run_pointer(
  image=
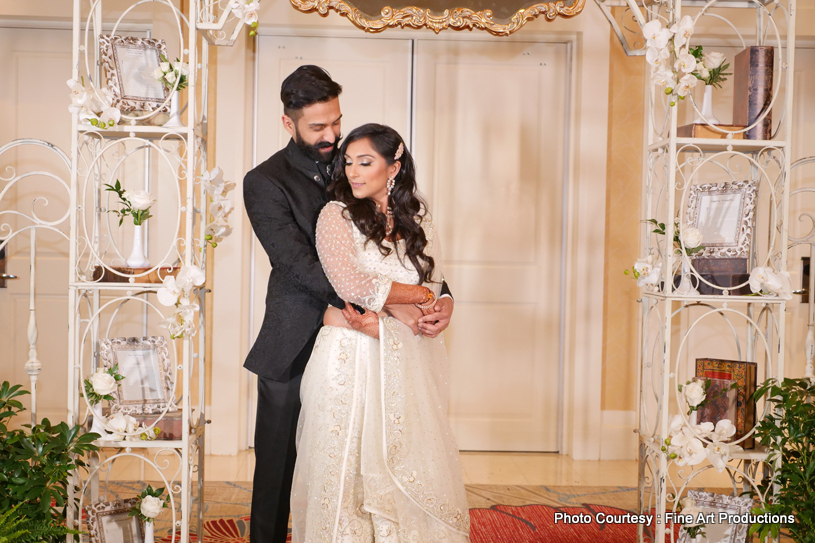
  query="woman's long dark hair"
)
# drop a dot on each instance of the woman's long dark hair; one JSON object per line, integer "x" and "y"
{"x": 407, "y": 208}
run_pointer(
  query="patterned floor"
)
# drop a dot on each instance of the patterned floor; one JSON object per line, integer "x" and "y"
{"x": 500, "y": 513}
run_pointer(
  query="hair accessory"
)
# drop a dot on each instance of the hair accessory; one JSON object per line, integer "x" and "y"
{"x": 399, "y": 151}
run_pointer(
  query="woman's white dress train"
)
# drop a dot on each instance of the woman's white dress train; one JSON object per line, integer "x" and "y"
{"x": 376, "y": 459}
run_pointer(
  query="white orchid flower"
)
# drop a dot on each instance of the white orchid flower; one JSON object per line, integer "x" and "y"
{"x": 720, "y": 454}
{"x": 664, "y": 78}
{"x": 110, "y": 116}
{"x": 169, "y": 293}
{"x": 765, "y": 281}
{"x": 692, "y": 453}
{"x": 685, "y": 84}
{"x": 704, "y": 429}
{"x": 655, "y": 35}
{"x": 214, "y": 183}
{"x": 250, "y": 17}
{"x": 685, "y": 63}
{"x": 677, "y": 423}
{"x": 189, "y": 277}
{"x": 220, "y": 207}
{"x": 682, "y": 31}
{"x": 724, "y": 430}
{"x": 218, "y": 230}
{"x": 79, "y": 94}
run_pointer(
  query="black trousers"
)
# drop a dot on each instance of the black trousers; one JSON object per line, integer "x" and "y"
{"x": 275, "y": 453}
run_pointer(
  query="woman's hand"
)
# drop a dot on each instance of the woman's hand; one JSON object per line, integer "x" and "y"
{"x": 432, "y": 324}
{"x": 367, "y": 323}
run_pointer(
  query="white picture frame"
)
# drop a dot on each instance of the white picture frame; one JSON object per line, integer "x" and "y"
{"x": 144, "y": 363}
{"x": 129, "y": 64}
{"x": 109, "y": 522}
{"x": 725, "y": 215}
{"x": 720, "y": 532}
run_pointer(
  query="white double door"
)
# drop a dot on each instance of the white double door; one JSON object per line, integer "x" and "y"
{"x": 487, "y": 125}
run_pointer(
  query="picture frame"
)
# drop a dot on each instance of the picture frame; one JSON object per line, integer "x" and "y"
{"x": 722, "y": 372}
{"x": 720, "y": 532}
{"x": 128, "y": 64}
{"x": 725, "y": 215}
{"x": 144, "y": 363}
{"x": 109, "y": 522}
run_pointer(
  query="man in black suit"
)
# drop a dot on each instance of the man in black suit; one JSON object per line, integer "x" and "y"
{"x": 283, "y": 198}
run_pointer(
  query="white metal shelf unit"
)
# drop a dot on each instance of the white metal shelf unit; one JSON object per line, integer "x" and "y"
{"x": 674, "y": 328}
{"x": 142, "y": 154}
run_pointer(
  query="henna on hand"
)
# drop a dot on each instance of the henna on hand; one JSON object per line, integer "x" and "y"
{"x": 366, "y": 323}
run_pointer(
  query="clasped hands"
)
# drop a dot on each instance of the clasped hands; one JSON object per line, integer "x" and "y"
{"x": 430, "y": 316}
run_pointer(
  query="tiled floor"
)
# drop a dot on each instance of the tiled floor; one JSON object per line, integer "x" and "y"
{"x": 479, "y": 468}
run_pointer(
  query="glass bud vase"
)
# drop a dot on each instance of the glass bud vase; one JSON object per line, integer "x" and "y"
{"x": 175, "y": 113}
{"x": 148, "y": 532}
{"x": 137, "y": 258}
{"x": 98, "y": 424}
{"x": 685, "y": 287}
{"x": 706, "y": 114}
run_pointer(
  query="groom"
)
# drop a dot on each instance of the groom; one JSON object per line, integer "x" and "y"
{"x": 283, "y": 197}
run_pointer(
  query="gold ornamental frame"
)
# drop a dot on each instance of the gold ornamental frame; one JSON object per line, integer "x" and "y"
{"x": 455, "y": 18}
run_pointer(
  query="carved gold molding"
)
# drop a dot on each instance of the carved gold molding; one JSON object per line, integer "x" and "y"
{"x": 457, "y": 19}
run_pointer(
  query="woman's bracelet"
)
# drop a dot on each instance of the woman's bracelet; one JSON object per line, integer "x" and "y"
{"x": 429, "y": 302}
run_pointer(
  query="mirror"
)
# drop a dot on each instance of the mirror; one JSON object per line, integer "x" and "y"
{"x": 498, "y": 17}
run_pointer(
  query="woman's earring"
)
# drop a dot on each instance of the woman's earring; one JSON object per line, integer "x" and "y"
{"x": 391, "y": 183}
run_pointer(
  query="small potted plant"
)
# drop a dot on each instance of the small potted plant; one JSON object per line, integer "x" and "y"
{"x": 148, "y": 508}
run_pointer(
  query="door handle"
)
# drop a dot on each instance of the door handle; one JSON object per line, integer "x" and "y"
{"x": 8, "y": 276}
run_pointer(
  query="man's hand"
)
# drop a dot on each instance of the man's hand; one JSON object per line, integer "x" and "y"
{"x": 367, "y": 323}
{"x": 407, "y": 314}
{"x": 435, "y": 323}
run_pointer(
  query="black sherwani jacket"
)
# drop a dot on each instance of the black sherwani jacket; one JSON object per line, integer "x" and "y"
{"x": 283, "y": 197}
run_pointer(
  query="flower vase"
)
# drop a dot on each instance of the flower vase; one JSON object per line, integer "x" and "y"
{"x": 692, "y": 418}
{"x": 98, "y": 424}
{"x": 685, "y": 287}
{"x": 175, "y": 113}
{"x": 706, "y": 114}
{"x": 137, "y": 258}
{"x": 148, "y": 532}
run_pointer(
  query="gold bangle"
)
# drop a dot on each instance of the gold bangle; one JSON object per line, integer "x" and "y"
{"x": 429, "y": 302}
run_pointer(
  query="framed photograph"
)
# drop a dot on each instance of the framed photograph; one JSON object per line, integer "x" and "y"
{"x": 737, "y": 404}
{"x": 129, "y": 64}
{"x": 144, "y": 363}
{"x": 108, "y": 522}
{"x": 725, "y": 215}
{"x": 721, "y": 531}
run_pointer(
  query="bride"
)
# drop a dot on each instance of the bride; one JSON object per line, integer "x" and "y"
{"x": 376, "y": 459}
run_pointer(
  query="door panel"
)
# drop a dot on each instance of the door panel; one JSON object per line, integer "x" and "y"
{"x": 490, "y": 135}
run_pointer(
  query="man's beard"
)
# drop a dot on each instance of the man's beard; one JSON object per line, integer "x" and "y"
{"x": 314, "y": 152}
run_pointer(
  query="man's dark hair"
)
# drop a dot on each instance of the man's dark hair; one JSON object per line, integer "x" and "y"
{"x": 305, "y": 86}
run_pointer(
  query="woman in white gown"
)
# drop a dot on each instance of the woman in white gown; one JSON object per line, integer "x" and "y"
{"x": 376, "y": 459}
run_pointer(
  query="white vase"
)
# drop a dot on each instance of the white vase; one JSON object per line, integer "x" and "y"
{"x": 148, "y": 532}
{"x": 175, "y": 114}
{"x": 98, "y": 424}
{"x": 706, "y": 115}
{"x": 685, "y": 287}
{"x": 137, "y": 258}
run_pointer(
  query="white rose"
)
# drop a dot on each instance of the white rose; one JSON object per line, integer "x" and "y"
{"x": 170, "y": 77}
{"x": 692, "y": 237}
{"x": 692, "y": 511}
{"x": 103, "y": 383}
{"x": 139, "y": 199}
{"x": 703, "y": 72}
{"x": 713, "y": 60}
{"x": 157, "y": 73}
{"x": 694, "y": 393}
{"x": 165, "y": 67}
{"x": 151, "y": 506}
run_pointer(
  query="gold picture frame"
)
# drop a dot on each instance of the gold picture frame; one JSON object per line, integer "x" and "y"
{"x": 456, "y": 18}
{"x": 128, "y": 64}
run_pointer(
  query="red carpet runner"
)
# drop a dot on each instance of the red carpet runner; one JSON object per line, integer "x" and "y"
{"x": 499, "y": 524}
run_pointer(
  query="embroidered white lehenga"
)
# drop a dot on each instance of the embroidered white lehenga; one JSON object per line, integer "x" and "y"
{"x": 376, "y": 459}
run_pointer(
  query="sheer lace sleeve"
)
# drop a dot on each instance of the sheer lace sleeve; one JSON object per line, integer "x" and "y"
{"x": 338, "y": 255}
{"x": 434, "y": 249}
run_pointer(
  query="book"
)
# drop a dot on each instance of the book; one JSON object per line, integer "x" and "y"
{"x": 753, "y": 90}
{"x": 722, "y": 374}
{"x": 705, "y": 131}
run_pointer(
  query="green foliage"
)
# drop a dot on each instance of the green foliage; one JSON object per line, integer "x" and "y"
{"x": 35, "y": 463}
{"x": 139, "y": 215}
{"x": 182, "y": 78}
{"x": 788, "y": 432}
